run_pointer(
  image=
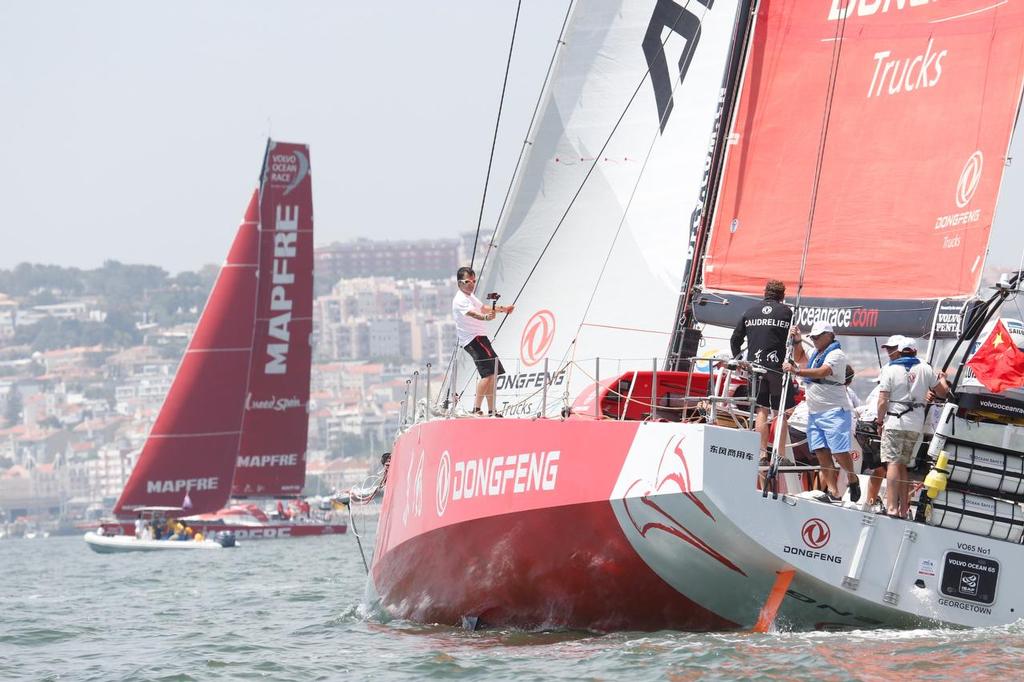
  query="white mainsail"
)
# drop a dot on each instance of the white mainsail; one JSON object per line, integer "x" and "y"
{"x": 605, "y": 280}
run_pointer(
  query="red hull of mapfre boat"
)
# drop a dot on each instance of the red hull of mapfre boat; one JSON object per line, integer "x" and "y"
{"x": 478, "y": 521}
{"x": 247, "y": 522}
{"x": 270, "y": 531}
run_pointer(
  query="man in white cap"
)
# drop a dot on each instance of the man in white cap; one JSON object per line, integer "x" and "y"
{"x": 903, "y": 388}
{"x": 867, "y": 433}
{"x": 829, "y": 412}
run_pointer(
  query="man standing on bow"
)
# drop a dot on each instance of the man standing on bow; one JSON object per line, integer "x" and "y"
{"x": 829, "y": 412}
{"x": 764, "y": 327}
{"x": 470, "y": 314}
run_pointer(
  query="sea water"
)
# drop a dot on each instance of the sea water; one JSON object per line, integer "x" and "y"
{"x": 294, "y": 610}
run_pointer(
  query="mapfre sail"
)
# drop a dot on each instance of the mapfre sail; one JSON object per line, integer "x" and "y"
{"x": 633, "y": 100}
{"x": 272, "y": 454}
{"x": 905, "y": 201}
{"x": 192, "y": 447}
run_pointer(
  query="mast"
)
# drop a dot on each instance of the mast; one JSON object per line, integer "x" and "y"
{"x": 686, "y": 337}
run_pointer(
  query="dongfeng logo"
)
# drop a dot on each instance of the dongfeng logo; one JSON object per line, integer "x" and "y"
{"x": 815, "y": 533}
{"x": 538, "y": 334}
{"x": 767, "y": 310}
{"x": 970, "y": 177}
{"x": 444, "y": 481}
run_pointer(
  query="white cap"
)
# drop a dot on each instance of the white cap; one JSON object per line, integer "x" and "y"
{"x": 908, "y": 344}
{"x": 819, "y": 328}
{"x": 893, "y": 341}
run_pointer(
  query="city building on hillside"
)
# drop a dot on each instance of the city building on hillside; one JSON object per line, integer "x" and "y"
{"x": 429, "y": 258}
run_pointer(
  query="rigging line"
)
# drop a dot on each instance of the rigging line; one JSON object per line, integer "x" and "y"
{"x": 515, "y": 171}
{"x": 833, "y": 77}
{"x": 837, "y": 49}
{"x": 497, "y": 125}
{"x": 526, "y": 142}
{"x": 597, "y": 158}
{"x": 571, "y": 349}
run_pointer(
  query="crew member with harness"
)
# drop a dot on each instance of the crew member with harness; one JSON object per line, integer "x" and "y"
{"x": 764, "y": 327}
{"x": 829, "y": 412}
{"x": 903, "y": 390}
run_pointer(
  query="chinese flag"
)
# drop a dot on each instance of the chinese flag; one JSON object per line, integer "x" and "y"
{"x": 997, "y": 363}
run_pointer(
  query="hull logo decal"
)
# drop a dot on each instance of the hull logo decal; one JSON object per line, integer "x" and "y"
{"x": 672, "y": 468}
{"x": 815, "y": 533}
{"x": 444, "y": 482}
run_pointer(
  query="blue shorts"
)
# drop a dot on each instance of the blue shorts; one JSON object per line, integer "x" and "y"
{"x": 830, "y": 429}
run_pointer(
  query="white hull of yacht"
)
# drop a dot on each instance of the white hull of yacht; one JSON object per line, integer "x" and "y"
{"x": 107, "y": 544}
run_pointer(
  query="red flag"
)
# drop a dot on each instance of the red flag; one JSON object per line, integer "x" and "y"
{"x": 998, "y": 363}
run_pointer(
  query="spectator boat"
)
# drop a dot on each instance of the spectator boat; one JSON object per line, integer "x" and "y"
{"x": 111, "y": 541}
{"x": 682, "y": 155}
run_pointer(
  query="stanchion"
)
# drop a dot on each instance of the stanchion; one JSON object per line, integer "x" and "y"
{"x": 415, "y": 393}
{"x": 405, "y": 403}
{"x": 452, "y": 385}
{"x": 494, "y": 388}
{"x": 428, "y": 389}
{"x": 654, "y": 388}
{"x": 544, "y": 396}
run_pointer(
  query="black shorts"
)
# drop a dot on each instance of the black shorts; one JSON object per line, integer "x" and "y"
{"x": 484, "y": 356}
{"x": 867, "y": 438}
{"x": 770, "y": 390}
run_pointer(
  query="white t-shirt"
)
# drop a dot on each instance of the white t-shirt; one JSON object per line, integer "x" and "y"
{"x": 906, "y": 387}
{"x": 468, "y": 328}
{"x": 822, "y": 397}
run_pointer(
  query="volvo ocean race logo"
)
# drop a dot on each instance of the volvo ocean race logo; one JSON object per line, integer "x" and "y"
{"x": 538, "y": 334}
{"x": 444, "y": 473}
{"x": 287, "y": 168}
{"x": 969, "y": 179}
{"x": 815, "y": 533}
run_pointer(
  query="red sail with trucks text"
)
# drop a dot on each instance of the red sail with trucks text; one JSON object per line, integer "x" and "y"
{"x": 905, "y": 199}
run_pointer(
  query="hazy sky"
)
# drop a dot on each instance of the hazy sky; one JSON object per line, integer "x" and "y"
{"x": 134, "y": 130}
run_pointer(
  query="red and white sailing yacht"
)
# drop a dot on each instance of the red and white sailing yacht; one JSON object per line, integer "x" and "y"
{"x": 684, "y": 154}
{"x": 235, "y": 422}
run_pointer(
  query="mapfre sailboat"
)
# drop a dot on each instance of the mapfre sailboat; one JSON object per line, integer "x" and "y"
{"x": 234, "y": 423}
{"x": 683, "y": 155}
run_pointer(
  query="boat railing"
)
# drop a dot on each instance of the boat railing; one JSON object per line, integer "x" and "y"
{"x": 714, "y": 390}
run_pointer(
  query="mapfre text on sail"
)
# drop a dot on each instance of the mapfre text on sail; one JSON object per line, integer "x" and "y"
{"x": 286, "y": 233}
